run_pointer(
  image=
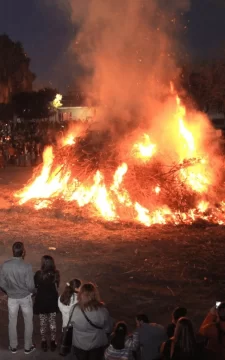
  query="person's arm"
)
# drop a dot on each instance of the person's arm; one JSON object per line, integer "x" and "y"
{"x": 108, "y": 353}
{"x": 210, "y": 318}
{"x": 57, "y": 279}
{"x": 2, "y": 290}
{"x": 134, "y": 341}
{"x": 108, "y": 322}
{"x": 162, "y": 347}
{"x": 60, "y": 305}
{"x": 73, "y": 317}
{"x": 29, "y": 279}
{"x": 170, "y": 330}
{"x": 36, "y": 279}
{"x": 3, "y": 282}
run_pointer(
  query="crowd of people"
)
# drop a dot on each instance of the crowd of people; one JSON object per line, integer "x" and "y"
{"x": 22, "y": 143}
{"x": 94, "y": 336}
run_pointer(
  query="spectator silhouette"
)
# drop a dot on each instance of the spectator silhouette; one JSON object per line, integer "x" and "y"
{"x": 178, "y": 313}
{"x": 17, "y": 280}
{"x": 213, "y": 329}
{"x": 183, "y": 345}
{"x": 68, "y": 299}
{"x": 46, "y": 300}
{"x": 151, "y": 336}
{"x": 91, "y": 324}
{"x": 122, "y": 346}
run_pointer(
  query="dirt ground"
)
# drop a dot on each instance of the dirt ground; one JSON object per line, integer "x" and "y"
{"x": 151, "y": 270}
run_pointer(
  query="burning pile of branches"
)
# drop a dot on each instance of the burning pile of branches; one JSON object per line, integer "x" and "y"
{"x": 139, "y": 183}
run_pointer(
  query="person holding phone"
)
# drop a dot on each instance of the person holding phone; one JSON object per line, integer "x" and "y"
{"x": 213, "y": 329}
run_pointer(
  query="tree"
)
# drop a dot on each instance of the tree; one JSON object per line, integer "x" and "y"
{"x": 15, "y": 75}
{"x": 205, "y": 83}
{"x": 34, "y": 104}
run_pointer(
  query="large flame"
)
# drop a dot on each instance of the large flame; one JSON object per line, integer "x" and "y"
{"x": 116, "y": 198}
{"x": 145, "y": 149}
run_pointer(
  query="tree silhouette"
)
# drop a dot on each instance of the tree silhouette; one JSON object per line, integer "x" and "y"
{"x": 34, "y": 104}
{"x": 15, "y": 75}
{"x": 205, "y": 83}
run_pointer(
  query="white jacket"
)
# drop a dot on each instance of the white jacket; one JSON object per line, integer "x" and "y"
{"x": 66, "y": 309}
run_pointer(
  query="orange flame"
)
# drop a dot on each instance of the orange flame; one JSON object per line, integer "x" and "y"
{"x": 113, "y": 200}
{"x": 145, "y": 149}
{"x": 69, "y": 140}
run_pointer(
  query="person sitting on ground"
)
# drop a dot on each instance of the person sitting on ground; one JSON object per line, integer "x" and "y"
{"x": 91, "y": 325}
{"x": 46, "y": 300}
{"x": 178, "y": 313}
{"x": 68, "y": 299}
{"x": 17, "y": 281}
{"x": 151, "y": 336}
{"x": 213, "y": 329}
{"x": 121, "y": 345}
{"x": 183, "y": 345}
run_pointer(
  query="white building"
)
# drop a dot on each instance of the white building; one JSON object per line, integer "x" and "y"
{"x": 76, "y": 113}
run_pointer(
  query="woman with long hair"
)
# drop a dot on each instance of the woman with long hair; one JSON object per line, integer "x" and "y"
{"x": 122, "y": 346}
{"x": 183, "y": 345}
{"x": 46, "y": 300}
{"x": 68, "y": 299}
{"x": 91, "y": 324}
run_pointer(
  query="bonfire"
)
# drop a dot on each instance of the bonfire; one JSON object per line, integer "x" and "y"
{"x": 144, "y": 177}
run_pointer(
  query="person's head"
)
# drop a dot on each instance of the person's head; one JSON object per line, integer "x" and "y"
{"x": 71, "y": 287}
{"x": 141, "y": 319}
{"x": 221, "y": 312}
{"x": 88, "y": 297}
{"x": 18, "y": 250}
{"x": 184, "y": 336}
{"x": 47, "y": 264}
{"x": 178, "y": 313}
{"x": 119, "y": 336}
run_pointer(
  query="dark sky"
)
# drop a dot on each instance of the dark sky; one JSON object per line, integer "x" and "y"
{"x": 46, "y": 34}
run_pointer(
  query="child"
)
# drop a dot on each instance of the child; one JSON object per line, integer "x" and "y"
{"x": 68, "y": 299}
{"x": 122, "y": 346}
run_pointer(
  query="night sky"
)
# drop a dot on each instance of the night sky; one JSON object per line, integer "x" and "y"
{"x": 46, "y": 33}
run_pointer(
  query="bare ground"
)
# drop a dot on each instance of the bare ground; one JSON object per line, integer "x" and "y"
{"x": 136, "y": 268}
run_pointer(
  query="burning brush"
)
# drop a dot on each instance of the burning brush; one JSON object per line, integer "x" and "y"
{"x": 140, "y": 183}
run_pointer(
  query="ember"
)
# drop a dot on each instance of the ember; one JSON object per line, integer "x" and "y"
{"x": 142, "y": 184}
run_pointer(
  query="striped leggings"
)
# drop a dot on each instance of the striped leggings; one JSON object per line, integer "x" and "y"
{"x": 46, "y": 319}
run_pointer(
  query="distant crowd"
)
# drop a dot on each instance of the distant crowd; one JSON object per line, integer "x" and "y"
{"x": 88, "y": 331}
{"x": 22, "y": 144}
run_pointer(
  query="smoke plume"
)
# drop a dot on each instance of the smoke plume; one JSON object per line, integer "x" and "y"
{"x": 129, "y": 49}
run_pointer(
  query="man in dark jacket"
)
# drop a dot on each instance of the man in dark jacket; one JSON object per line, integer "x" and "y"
{"x": 17, "y": 280}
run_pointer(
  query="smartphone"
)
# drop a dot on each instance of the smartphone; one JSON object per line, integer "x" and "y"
{"x": 218, "y": 304}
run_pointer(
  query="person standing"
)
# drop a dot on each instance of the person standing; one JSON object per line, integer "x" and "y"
{"x": 17, "y": 280}
{"x": 91, "y": 325}
{"x": 68, "y": 299}
{"x": 46, "y": 300}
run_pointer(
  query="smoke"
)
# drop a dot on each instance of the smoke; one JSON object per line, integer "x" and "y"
{"x": 129, "y": 50}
